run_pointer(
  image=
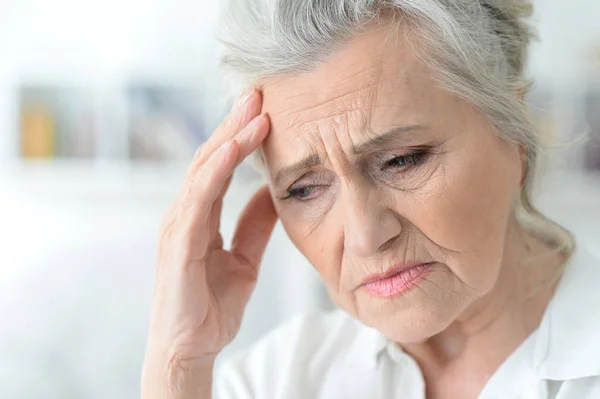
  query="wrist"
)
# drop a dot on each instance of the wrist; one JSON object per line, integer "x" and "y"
{"x": 177, "y": 378}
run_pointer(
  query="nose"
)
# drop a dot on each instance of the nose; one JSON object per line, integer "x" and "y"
{"x": 369, "y": 226}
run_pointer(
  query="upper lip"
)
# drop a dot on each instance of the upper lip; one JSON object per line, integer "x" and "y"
{"x": 392, "y": 271}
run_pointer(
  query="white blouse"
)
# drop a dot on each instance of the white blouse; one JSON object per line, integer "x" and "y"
{"x": 333, "y": 356}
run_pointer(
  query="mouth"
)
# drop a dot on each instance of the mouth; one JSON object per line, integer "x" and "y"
{"x": 397, "y": 280}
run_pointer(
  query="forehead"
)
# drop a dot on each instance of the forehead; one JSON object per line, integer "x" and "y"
{"x": 373, "y": 83}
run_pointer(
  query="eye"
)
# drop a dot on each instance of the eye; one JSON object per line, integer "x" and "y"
{"x": 309, "y": 186}
{"x": 406, "y": 161}
{"x": 301, "y": 193}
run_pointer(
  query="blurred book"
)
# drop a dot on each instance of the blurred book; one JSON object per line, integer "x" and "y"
{"x": 37, "y": 132}
{"x": 131, "y": 122}
{"x": 166, "y": 122}
{"x": 56, "y": 122}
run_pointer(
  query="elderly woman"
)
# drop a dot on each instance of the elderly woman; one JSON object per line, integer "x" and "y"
{"x": 399, "y": 156}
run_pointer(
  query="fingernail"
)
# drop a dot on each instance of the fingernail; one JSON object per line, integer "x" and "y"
{"x": 246, "y": 96}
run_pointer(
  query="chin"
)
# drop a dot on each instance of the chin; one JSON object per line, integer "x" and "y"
{"x": 414, "y": 325}
{"x": 413, "y": 317}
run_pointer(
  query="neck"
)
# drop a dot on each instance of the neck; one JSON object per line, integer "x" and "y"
{"x": 495, "y": 325}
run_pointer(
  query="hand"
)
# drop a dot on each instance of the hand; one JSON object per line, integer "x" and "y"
{"x": 201, "y": 290}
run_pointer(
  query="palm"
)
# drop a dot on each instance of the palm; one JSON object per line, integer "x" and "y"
{"x": 220, "y": 282}
{"x": 230, "y": 283}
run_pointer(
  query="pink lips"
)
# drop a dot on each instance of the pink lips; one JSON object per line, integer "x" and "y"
{"x": 395, "y": 281}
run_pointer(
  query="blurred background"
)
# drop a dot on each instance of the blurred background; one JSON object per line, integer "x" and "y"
{"x": 103, "y": 103}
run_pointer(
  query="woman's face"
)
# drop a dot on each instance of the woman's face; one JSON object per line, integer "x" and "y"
{"x": 374, "y": 170}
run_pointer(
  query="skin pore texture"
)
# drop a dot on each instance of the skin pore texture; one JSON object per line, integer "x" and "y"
{"x": 371, "y": 165}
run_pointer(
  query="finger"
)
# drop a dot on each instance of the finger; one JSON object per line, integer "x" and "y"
{"x": 254, "y": 228}
{"x": 208, "y": 191}
{"x": 195, "y": 209}
{"x": 248, "y": 140}
{"x": 251, "y": 137}
{"x": 245, "y": 110}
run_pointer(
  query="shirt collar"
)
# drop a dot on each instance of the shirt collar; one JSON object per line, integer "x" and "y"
{"x": 568, "y": 344}
{"x": 367, "y": 348}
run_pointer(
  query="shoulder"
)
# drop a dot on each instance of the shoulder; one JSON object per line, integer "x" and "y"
{"x": 568, "y": 347}
{"x": 300, "y": 351}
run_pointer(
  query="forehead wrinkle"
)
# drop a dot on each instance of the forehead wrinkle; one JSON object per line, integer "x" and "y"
{"x": 297, "y": 122}
{"x": 333, "y": 96}
{"x": 339, "y": 104}
{"x": 317, "y": 133}
{"x": 343, "y": 109}
{"x": 339, "y": 142}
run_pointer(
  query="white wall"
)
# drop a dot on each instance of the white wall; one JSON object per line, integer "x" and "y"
{"x": 78, "y": 252}
{"x": 567, "y": 30}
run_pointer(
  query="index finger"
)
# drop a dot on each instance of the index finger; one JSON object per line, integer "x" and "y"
{"x": 247, "y": 108}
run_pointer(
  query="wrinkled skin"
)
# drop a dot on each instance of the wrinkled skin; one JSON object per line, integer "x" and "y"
{"x": 369, "y": 165}
{"x": 451, "y": 203}
{"x": 372, "y": 165}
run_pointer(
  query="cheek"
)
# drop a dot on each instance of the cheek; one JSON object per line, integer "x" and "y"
{"x": 465, "y": 211}
{"x": 318, "y": 240}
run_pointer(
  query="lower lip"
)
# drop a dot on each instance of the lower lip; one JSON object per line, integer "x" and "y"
{"x": 398, "y": 283}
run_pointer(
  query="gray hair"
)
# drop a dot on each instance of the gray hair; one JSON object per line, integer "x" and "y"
{"x": 476, "y": 50}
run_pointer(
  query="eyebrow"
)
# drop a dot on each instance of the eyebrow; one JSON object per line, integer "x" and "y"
{"x": 313, "y": 159}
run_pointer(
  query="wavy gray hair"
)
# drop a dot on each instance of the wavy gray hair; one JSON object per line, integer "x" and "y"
{"x": 475, "y": 49}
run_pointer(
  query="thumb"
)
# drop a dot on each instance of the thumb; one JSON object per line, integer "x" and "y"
{"x": 254, "y": 228}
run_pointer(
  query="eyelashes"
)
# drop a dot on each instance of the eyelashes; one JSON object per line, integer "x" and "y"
{"x": 397, "y": 165}
{"x": 414, "y": 158}
{"x": 300, "y": 192}
{"x": 303, "y": 191}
